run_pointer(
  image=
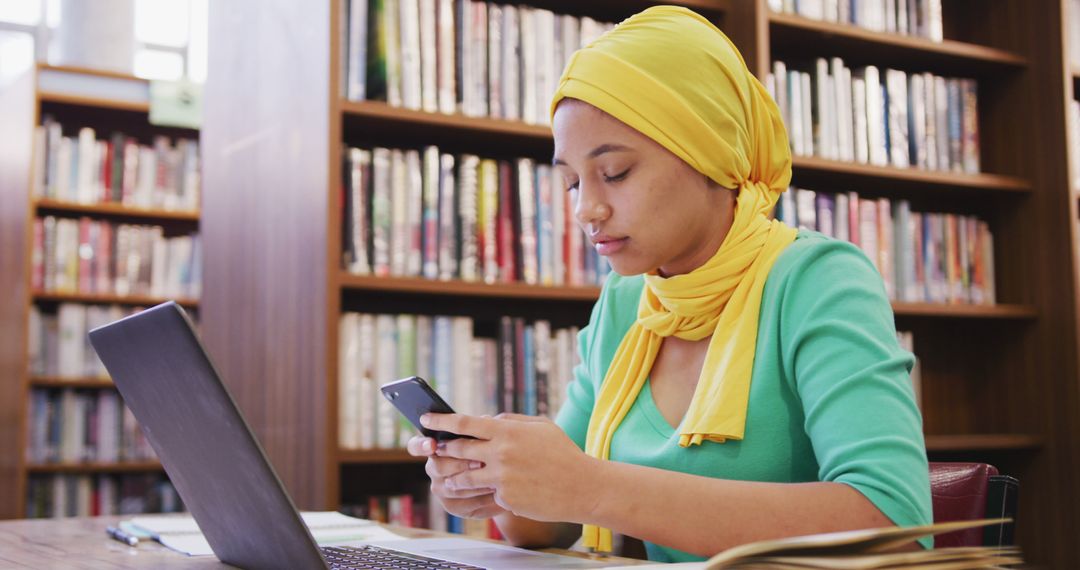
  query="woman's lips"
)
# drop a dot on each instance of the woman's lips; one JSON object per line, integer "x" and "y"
{"x": 609, "y": 246}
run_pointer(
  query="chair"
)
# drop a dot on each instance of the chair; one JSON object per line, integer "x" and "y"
{"x": 969, "y": 491}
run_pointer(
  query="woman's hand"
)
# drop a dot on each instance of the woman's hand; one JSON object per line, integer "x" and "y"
{"x": 469, "y": 503}
{"x": 535, "y": 470}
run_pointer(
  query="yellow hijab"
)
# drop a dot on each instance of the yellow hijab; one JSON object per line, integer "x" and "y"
{"x": 673, "y": 76}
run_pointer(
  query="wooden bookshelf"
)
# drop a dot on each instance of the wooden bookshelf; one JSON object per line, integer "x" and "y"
{"x": 87, "y": 468}
{"x": 76, "y": 97}
{"x": 379, "y": 116}
{"x": 912, "y": 179}
{"x": 101, "y": 299}
{"x": 377, "y": 112}
{"x": 790, "y": 34}
{"x": 428, "y": 287}
{"x": 95, "y": 102}
{"x": 377, "y": 456}
{"x": 1008, "y": 372}
{"x": 419, "y": 286}
{"x": 1012, "y": 312}
{"x": 977, "y": 443}
{"x": 114, "y": 211}
{"x": 62, "y": 382}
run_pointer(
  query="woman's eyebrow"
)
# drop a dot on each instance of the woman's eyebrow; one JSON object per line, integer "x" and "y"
{"x": 604, "y": 148}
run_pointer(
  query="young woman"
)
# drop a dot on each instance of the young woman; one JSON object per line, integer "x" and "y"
{"x": 739, "y": 380}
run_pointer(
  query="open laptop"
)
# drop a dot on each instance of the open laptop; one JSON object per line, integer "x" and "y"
{"x": 222, "y": 474}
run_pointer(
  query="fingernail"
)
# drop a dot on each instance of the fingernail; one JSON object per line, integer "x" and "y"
{"x": 429, "y": 446}
{"x": 425, "y": 420}
{"x": 449, "y": 483}
{"x": 475, "y": 465}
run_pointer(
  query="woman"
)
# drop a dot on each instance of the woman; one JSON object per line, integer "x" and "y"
{"x": 740, "y": 380}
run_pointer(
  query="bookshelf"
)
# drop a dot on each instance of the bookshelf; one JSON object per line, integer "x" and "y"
{"x": 999, "y": 382}
{"x": 75, "y": 97}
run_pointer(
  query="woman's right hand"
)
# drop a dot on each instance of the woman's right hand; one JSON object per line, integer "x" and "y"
{"x": 466, "y": 503}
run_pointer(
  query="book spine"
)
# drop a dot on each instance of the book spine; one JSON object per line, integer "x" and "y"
{"x": 448, "y": 219}
{"x": 430, "y": 214}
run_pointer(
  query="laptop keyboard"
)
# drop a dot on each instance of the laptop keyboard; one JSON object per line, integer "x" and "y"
{"x": 373, "y": 557}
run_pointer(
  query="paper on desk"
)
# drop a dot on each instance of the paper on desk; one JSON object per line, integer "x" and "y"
{"x": 196, "y": 545}
{"x": 182, "y": 534}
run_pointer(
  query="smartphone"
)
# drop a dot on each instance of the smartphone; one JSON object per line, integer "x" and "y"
{"x": 414, "y": 397}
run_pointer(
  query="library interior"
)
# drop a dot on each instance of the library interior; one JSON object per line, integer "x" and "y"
{"x": 268, "y": 211}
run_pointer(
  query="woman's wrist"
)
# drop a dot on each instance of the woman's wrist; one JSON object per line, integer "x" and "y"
{"x": 592, "y": 486}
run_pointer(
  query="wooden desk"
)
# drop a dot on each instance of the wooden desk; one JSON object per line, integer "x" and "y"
{"x": 81, "y": 544}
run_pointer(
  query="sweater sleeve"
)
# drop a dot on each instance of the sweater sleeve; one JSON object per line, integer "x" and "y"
{"x": 840, "y": 351}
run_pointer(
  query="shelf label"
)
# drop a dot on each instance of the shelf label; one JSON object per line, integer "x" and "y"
{"x": 176, "y": 104}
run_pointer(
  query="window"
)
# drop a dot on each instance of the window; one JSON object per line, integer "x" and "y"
{"x": 170, "y": 36}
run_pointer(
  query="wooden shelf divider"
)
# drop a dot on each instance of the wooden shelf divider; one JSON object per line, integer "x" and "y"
{"x": 48, "y": 206}
{"x": 102, "y": 299}
{"x": 860, "y": 44}
{"x": 991, "y": 442}
{"x": 378, "y": 456}
{"x": 414, "y": 285}
{"x": 80, "y": 468}
{"x": 64, "y": 382}
{"x": 926, "y": 179}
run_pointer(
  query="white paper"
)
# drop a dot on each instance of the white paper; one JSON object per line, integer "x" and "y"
{"x": 182, "y": 534}
{"x": 196, "y": 544}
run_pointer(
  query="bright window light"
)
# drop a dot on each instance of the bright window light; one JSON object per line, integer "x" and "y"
{"x": 26, "y": 12}
{"x": 162, "y": 22}
{"x": 156, "y": 64}
{"x": 16, "y": 53}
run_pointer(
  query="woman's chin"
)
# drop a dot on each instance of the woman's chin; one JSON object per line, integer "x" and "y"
{"x": 627, "y": 267}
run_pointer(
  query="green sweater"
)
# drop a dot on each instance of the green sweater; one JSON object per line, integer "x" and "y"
{"x": 830, "y": 395}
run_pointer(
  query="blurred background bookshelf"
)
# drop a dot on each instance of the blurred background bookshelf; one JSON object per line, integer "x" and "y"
{"x": 88, "y": 238}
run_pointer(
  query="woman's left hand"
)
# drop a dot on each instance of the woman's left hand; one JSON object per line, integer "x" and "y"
{"x": 536, "y": 470}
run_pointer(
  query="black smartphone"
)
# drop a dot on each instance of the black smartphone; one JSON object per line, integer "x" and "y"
{"x": 414, "y": 397}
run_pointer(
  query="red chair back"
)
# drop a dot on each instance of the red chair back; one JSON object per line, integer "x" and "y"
{"x": 969, "y": 491}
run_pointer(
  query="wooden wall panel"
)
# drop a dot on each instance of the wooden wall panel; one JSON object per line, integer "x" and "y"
{"x": 265, "y": 180}
{"x": 17, "y": 115}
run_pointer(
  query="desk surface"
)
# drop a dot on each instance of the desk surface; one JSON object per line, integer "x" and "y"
{"x": 81, "y": 544}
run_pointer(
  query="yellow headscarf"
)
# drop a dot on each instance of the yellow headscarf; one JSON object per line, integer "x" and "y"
{"x": 673, "y": 76}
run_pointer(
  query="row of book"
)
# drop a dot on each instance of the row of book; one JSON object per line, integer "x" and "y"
{"x": 525, "y": 370}
{"x": 922, "y": 257}
{"x": 58, "y": 343}
{"x": 877, "y": 117}
{"x": 58, "y": 496}
{"x": 425, "y": 213}
{"x": 481, "y": 59}
{"x": 75, "y": 426}
{"x": 408, "y": 511}
{"x": 921, "y": 18}
{"x": 118, "y": 170}
{"x": 99, "y": 257}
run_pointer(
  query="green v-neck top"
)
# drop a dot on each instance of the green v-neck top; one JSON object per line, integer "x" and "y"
{"x": 830, "y": 395}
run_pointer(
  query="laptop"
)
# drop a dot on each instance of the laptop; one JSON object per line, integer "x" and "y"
{"x": 222, "y": 474}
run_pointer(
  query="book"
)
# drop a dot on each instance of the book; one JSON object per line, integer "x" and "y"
{"x": 858, "y": 549}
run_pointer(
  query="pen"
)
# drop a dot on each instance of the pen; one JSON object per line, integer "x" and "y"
{"x": 122, "y": 536}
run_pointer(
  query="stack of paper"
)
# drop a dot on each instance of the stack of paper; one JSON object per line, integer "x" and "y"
{"x": 182, "y": 534}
